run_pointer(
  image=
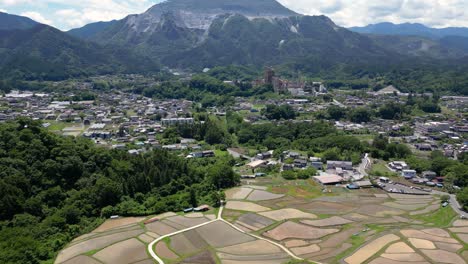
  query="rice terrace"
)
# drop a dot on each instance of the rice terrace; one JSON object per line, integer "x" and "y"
{"x": 272, "y": 221}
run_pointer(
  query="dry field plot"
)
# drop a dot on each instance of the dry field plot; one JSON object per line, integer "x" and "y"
{"x": 254, "y": 222}
{"x": 162, "y": 250}
{"x": 160, "y": 228}
{"x": 185, "y": 222}
{"x": 246, "y": 206}
{"x": 128, "y": 251}
{"x": 322, "y": 207}
{"x": 238, "y": 193}
{"x": 332, "y": 221}
{"x": 257, "y": 247}
{"x": 371, "y": 249}
{"x": 204, "y": 257}
{"x": 259, "y": 195}
{"x": 82, "y": 259}
{"x": 118, "y": 223}
{"x": 95, "y": 243}
{"x": 288, "y": 213}
{"x": 188, "y": 242}
{"x": 295, "y": 230}
{"x": 219, "y": 234}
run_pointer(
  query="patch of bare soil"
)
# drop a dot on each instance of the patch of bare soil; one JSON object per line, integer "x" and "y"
{"x": 124, "y": 252}
{"x": 295, "y": 230}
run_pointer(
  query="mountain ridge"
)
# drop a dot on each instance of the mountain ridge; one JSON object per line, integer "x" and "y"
{"x": 411, "y": 29}
{"x": 13, "y": 22}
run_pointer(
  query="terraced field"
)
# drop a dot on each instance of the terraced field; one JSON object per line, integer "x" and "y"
{"x": 263, "y": 227}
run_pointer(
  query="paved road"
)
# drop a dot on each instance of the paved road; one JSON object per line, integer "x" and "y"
{"x": 219, "y": 218}
{"x": 364, "y": 165}
{"x": 453, "y": 202}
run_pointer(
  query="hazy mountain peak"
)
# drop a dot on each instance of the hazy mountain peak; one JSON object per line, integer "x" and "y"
{"x": 410, "y": 29}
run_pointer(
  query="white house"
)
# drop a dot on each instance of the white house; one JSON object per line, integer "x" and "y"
{"x": 408, "y": 174}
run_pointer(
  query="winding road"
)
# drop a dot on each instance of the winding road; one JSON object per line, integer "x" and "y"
{"x": 219, "y": 218}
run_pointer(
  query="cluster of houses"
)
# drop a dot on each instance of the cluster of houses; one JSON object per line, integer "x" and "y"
{"x": 428, "y": 178}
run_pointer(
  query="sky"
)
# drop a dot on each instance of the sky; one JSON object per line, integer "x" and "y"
{"x": 67, "y": 14}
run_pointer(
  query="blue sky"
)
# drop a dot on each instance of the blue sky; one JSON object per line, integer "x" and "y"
{"x": 67, "y": 14}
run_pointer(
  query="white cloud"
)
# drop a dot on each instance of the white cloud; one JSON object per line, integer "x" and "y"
{"x": 37, "y": 17}
{"x": 437, "y": 13}
{"x": 3, "y": 10}
{"x": 67, "y": 14}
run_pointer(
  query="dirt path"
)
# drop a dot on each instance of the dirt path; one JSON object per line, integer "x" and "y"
{"x": 219, "y": 218}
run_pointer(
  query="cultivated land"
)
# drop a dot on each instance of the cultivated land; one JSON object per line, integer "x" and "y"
{"x": 265, "y": 224}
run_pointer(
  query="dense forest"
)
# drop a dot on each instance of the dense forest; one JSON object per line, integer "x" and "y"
{"x": 54, "y": 188}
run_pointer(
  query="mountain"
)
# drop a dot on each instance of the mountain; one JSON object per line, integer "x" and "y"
{"x": 208, "y": 33}
{"x": 13, "y": 22}
{"x": 45, "y": 52}
{"x": 409, "y": 29}
{"x": 90, "y": 30}
{"x": 235, "y": 39}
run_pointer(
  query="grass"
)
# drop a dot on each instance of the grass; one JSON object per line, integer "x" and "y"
{"x": 440, "y": 218}
{"x": 356, "y": 242}
{"x": 364, "y": 137}
{"x": 380, "y": 169}
{"x": 57, "y": 126}
{"x": 299, "y": 188}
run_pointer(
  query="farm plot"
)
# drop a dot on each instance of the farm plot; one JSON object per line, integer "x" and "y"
{"x": 95, "y": 243}
{"x": 162, "y": 250}
{"x": 219, "y": 234}
{"x": 204, "y": 257}
{"x": 295, "y": 230}
{"x": 160, "y": 228}
{"x": 370, "y": 249}
{"x": 188, "y": 242}
{"x": 332, "y": 221}
{"x": 288, "y": 213}
{"x": 245, "y": 206}
{"x": 239, "y": 193}
{"x": 124, "y": 252}
{"x": 118, "y": 223}
{"x": 258, "y": 195}
{"x": 254, "y": 222}
{"x": 82, "y": 259}
{"x": 185, "y": 222}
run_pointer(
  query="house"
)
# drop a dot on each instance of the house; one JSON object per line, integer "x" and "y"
{"x": 408, "y": 174}
{"x": 288, "y": 167}
{"x": 300, "y": 163}
{"x": 424, "y": 147}
{"x": 256, "y": 164}
{"x": 329, "y": 179}
{"x": 430, "y": 175}
{"x": 317, "y": 164}
{"x": 201, "y": 208}
{"x": 265, "y": 155}
{"x": 344, "y": 165}
{"x": 364, "y": 184}
{"x": 398, "y": 165}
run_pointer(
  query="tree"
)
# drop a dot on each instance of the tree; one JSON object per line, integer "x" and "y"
{"x": 222, "y": 176}
{"x": 336, "y": 112}
{"x": 193, "y": 198}
{"x": 289, "y": 175}
{"x": 307, "y": 173}
{"x": 445, "y": 198}
{"x": 462, "y": 197}
{"x": 360, "y": 115}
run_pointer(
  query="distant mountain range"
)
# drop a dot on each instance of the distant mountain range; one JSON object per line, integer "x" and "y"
{"x": 196, "y": 34}
{"x": 30, "y": 50}
{"x": 410, "y": 29}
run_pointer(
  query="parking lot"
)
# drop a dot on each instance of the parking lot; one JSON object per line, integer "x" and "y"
{"x": 393, "y": 187}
